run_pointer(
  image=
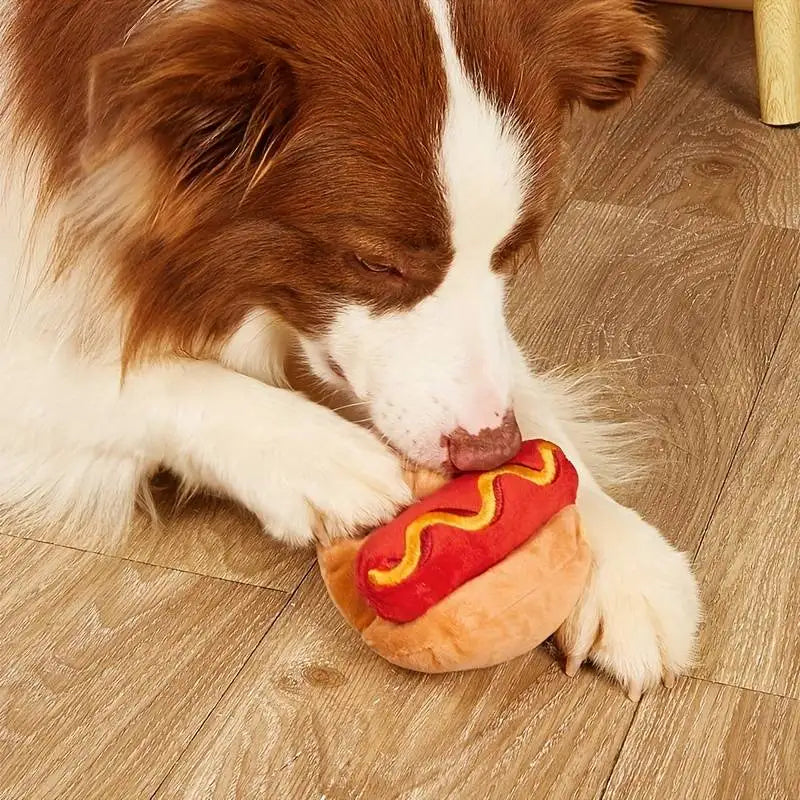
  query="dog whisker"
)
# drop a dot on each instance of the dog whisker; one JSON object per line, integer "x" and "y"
{"x": 358, "y": 404}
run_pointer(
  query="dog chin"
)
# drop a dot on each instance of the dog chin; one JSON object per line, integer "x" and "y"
{"x": 416, "y": 458}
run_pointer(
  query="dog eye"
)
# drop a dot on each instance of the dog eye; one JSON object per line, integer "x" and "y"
{"x": 371, "y": 266}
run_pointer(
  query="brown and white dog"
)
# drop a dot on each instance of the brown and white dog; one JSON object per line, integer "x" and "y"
{"x": 191, "y": 188}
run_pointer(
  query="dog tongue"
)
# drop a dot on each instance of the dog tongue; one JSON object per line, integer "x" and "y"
{"x": 487, "y": 449}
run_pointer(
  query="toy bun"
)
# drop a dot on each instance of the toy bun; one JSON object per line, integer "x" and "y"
{"x": 503, "y": 613}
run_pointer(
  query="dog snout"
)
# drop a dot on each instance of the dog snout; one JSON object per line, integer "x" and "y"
{"x": 487, "y": 449}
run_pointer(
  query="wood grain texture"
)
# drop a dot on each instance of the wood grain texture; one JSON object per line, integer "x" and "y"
{"x": 315, "y": 714}
{"x": 749, "y": 562}
{"x": 699, "y": 305}
{"x": 204, "y": 535}
{"x": 586, "y": 130}
{"x": 692, "y": 307}
{"x": 108, "y": 668}
{"x": 710, "y": 742}
{"x": 777, "y": 27}
{"x": 694, "y": 143}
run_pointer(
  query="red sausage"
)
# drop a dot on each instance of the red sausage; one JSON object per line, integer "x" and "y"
{"x": 449, "y": 556}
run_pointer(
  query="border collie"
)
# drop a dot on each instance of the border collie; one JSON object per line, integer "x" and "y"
{"x": 194, "y": 189}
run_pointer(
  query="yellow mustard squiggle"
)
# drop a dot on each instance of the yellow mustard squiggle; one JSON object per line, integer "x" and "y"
{"x": 471, "y": 523}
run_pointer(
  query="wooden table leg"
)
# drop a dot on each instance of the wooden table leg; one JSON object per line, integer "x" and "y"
{"x": 777, "y": 26}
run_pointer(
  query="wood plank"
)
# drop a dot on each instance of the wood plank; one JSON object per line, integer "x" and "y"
{"x": 709, "y": 742}
{"x": 587, "y": 130}
{"x": 691, "y": 307}
{"x": 108, "y": 668}
{"x": 749, "y": 562}
{"x": 205, "y": 536}
{"x": 314, "y": 714}
{"x": 699, "y": 303}
{"x": 695, "y": 143}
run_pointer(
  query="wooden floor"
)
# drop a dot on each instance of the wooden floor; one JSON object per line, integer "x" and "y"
{"x": 201, "y": 660}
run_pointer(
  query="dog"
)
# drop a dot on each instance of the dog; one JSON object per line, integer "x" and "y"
{"x": 194, "y": 190}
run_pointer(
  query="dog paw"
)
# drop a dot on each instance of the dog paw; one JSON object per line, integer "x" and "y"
{"x": 343, "y": 482}
{"x": 637, "y": 619}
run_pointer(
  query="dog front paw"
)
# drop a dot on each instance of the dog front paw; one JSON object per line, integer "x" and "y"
{"x": 637, "y": 619}
{"x": 341, "y": 484}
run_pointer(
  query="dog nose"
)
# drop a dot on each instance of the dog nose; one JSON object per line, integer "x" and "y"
{"x": 487, "y": 449}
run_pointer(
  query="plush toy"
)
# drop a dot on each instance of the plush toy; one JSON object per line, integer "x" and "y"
{"x": 480, "y": 571}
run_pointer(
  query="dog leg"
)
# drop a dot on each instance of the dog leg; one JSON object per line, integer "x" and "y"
{"x": 300, "y": 468}
{"x": 638, "y": 617}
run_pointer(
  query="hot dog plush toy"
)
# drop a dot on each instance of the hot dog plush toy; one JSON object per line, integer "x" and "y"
{"x": 480, "y": 571}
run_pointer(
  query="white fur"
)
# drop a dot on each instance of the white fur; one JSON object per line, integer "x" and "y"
{"x": 638, "y": 617}
{"x": 75, "y": 444}
{"x": 484, "y": 166}
{"x": 445, "y": 364}
{"x": 259, "y": 348}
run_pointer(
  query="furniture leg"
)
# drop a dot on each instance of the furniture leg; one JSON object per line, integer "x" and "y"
{"x": 777, "y": 28}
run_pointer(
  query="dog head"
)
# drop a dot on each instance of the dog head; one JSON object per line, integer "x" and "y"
{"x": 366, "y": 171}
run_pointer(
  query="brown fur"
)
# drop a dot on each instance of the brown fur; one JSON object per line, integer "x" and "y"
{"x": 253, "y": 150}
{"x": 535, "y": 58}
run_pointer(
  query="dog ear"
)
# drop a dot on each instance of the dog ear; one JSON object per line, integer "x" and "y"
{"x": 600, "y": 49}
{"x": 201, "y": 91}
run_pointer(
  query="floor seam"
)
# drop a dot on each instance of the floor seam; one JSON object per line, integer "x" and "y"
{"x": 233, "y": 680}
{"x": 128, "y": 560}
{"x": 743, "y": 432}
{"x": 763, "y": 692}
{"x": 618, "y": 754}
